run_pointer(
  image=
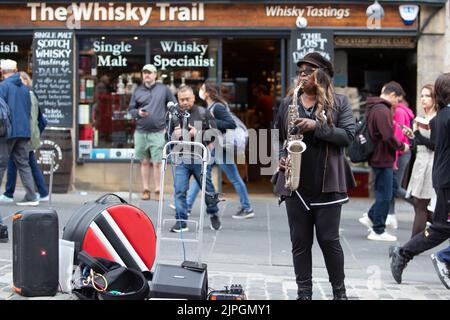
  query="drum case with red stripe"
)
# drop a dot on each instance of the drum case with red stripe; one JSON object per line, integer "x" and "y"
{"x": 115, "y": 231}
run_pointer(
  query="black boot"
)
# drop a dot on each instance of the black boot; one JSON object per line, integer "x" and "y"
{"x": 304, "y": 293}
{"x": 339, "y": 292}
{"x": 398, "y": 263}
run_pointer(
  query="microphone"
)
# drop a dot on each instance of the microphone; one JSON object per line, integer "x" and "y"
{"x": 174, "y": 108}
{"x": 170, "y": 105}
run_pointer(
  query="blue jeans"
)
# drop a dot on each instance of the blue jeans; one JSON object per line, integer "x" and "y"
{"x": 444, "y": 255}
{"x": 11, "y": 177}
{"x": 183, "y": 173}
{"x": 383, "y": 195}
{"x": 232, "y": 173}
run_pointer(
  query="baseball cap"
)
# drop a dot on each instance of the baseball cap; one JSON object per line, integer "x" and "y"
{"x": 149, "y": 67}
{"x": 317, "y": 60}
{"x": 8, "y": 64}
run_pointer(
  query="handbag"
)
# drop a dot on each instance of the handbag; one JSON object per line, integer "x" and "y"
{"x": 102, "y": 279}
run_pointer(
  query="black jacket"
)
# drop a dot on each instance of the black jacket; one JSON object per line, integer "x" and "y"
{"x": 441, "y": 172}
{"x": 199, "y": 118}
{"x": 338, "y": 176}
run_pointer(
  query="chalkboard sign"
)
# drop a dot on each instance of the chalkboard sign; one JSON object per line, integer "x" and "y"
{"x": 309, "y": 40}
{"x": 53, "y": 75}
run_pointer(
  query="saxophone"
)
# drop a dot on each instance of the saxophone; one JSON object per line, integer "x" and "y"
{"x": 295, "y": 145}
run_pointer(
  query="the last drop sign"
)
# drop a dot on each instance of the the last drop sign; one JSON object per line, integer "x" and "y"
{"x": 309, "y": 40}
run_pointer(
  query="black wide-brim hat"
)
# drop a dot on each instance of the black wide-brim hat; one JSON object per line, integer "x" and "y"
{"x": 317, "y": 60}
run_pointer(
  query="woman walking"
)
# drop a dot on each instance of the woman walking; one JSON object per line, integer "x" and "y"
{"x": 420, "y": 185}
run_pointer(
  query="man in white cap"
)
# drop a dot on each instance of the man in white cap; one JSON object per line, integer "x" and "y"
{"x": 16, "y": 144}
{"x": 148, "y": 108}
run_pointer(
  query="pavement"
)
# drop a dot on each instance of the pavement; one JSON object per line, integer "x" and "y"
{"x": 256, "y": 253}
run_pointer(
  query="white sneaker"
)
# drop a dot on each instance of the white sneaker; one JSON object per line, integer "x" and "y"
{"x": 381, "y": 237}
{"x": 365, "y": 221}
{"x": 6, "y": 199}
{"x": 28, "y": 203}
{"x": 391, "y": 221}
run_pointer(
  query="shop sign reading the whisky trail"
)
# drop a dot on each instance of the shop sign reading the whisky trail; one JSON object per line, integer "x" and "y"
{"x": 112, "y": 12}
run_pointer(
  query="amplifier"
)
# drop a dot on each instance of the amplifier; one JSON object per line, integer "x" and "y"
{"x": 177, "y": 282}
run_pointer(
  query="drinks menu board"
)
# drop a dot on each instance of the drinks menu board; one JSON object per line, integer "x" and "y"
{"x": 53, "y": 75}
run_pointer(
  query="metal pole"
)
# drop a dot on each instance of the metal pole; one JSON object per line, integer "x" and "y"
{"x": 50, "y": 187}
{"x": 130, "y": 189}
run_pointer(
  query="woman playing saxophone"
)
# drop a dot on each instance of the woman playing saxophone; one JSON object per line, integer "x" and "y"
{"x": 326, "y": 124}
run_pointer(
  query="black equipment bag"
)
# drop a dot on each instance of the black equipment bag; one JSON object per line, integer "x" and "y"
{"x": 35, "y": 252}
{"x": 102, "y": 279}
{"x": 179, "y": 282}
{"x": 114, "y": 230}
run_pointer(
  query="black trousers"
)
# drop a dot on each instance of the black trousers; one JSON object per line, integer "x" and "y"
{"x": 326, "y": 221}
{"x": 437, "y": 233}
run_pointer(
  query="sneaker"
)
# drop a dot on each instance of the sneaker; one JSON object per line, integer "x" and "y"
{"x": 391, "y": 221}
{"x": 43, "y": 199}
{"x": 32, "y": 203}
{"x": 172, "y": 206}
{"x": 398, "y": 263}
{"x": 145, "y": 195}
{"x": 6, "y": 199}
{"x": 244, "y": 214}
{"x": 381, "y": 237}
{"x": 3, "y": 233}
{"x": 442, "y": 270}
{"x": 365, "y": 221}
{"x": 216, "y": 225}
{"x": 179, "y": 226}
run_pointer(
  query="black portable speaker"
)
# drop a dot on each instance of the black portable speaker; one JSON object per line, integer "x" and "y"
{"x": 176, "y": 282}
{"x": 35, "y": 252}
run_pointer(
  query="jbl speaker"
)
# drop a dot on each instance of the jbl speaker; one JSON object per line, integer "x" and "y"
{"x": 35, "y": 252}
{"x": 176, "y": 282}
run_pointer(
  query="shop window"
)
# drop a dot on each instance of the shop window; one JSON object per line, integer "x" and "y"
{"x": 18, "y": 49}
{"x": 109, "y": 72}
{"x": 185, "y": 61}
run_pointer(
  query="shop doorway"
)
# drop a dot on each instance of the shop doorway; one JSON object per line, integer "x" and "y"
{"x": 369, "y": 69}
{"x": 251, "y": 80}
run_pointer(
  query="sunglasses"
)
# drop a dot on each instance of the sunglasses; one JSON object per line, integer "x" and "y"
{"x": 307, "y": 71}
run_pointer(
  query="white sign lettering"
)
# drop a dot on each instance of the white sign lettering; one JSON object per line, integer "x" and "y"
{"x": 91, "y": 11}
{"x": 114, "y": 60}
{"x": 195, "y": 49}
{"x": 308, "y": 11}
{"x": 8, "y": 47}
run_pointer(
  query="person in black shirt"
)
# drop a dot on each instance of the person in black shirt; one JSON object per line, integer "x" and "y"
{"x": 198, "y": 122}
{"x": 327, "y": 125}
{"x": 439, "y": 231}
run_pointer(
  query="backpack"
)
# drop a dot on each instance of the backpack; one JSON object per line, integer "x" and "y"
{"x": 5, "y": 119}
{"x": 235, "y": 139}
{"x": 362, "y": 147}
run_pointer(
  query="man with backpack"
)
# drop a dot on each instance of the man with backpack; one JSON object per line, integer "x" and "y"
{"x": 198, "y": 122}
{"x": 381, "y": 132}
{"x": 15, "y": 143}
